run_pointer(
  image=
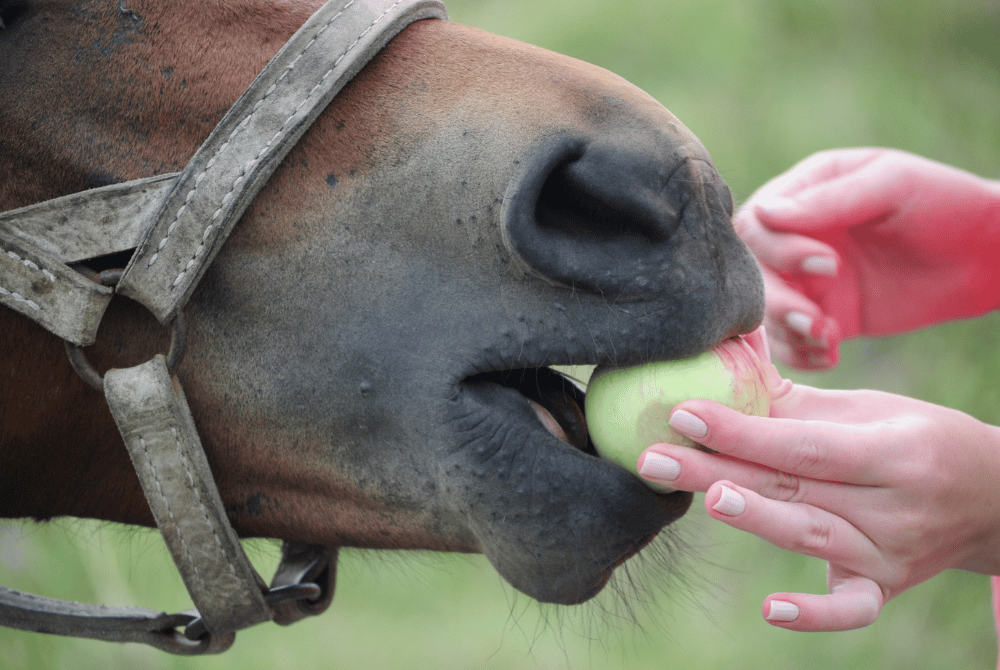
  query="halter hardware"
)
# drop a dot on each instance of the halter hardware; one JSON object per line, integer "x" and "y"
{"x": 86, "y": 371}
{"x": 177, "y": 223}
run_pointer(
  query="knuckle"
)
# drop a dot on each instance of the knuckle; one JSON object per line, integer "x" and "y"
{"x": 786, "y": 488}
{"x": 816, "y": 538}
{"x": 807, "y": 458}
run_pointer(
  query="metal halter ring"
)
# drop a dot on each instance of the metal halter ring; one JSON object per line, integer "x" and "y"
{"x": 178, "y": 341}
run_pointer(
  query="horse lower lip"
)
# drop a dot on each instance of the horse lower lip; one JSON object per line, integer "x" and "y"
{"x": 556, "y": 401}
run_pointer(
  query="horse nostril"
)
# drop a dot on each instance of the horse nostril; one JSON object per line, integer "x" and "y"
{"x": 604, "y": 216}
{"x": 569, "y": 205}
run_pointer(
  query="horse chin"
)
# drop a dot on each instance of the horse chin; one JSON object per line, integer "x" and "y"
{"x": 553, "y": 518}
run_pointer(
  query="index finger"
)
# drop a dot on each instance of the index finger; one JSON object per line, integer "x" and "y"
{"x": 812, "y": 448}
{"x": 819, "y": 167}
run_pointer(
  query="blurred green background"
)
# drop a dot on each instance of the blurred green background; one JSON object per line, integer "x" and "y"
{"x": 763, "y": 83}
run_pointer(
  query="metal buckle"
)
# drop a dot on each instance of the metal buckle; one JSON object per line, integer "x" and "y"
{"x": 78, "y": 359}
{"x": 302, "y": 586}
{"x": 304, "y": 564}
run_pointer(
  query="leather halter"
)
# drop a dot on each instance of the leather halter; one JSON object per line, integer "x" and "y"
{"x": 177, "y": 223}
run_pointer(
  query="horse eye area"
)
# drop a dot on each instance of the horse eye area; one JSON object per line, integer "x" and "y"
{"x": 556, "y": 400}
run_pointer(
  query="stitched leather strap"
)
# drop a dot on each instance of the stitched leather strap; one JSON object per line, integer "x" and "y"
{"x": 197, "y": 210}
{"x": 37, "y": 242}
{"x": 93, "y": 223}
{"x": 45, "y": 289}
{"x": 228, "y": 170}
{"x": 153, "y": 417}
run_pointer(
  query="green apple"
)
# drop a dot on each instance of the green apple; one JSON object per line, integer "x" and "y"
{"x": 627, "y": 409}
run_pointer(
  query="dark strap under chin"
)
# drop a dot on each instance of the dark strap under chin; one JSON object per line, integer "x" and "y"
{"x": 303, "y": 585}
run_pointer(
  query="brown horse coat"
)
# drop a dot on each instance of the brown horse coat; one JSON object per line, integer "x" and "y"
{"x": 469, "y": 211}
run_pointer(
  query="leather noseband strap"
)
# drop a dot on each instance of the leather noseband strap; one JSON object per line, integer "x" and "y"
{"x": 179, "y": 222}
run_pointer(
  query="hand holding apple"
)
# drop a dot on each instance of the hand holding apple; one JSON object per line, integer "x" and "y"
{"x": 628, "y": 409}
{"x": 888, "y": 490}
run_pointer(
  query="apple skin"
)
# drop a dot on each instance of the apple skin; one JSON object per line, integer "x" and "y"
{"x": 627, "y": 409}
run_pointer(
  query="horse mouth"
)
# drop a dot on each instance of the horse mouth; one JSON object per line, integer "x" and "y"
{"x": 553, "y": 517}
{"x": 556, "y": 400}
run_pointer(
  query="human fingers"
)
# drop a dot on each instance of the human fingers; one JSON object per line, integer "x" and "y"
{"x": 686, "y": 469}
{"x": 785, "y": 252}
{"x": 870, "y": 193}
{"x": 810, "y": 336}
{"x": 855, "y": 605}
{"x": 795, "y": 526}
{"x": 854, "y": 600}
{"x": 817, "y": 168}
{"x": 802, "y": 447}
{"x": 793, "y": 350}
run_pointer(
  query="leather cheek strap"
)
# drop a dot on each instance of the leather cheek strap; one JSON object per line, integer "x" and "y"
{"x": 242, "y": 152}
{"x": 153, "y": 418}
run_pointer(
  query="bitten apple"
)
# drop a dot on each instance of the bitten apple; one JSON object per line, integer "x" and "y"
{"x": 627, "y": 409}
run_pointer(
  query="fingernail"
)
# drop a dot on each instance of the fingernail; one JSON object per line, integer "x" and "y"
{"x": 782, "y": 611}
{"x": 688, "y": 423}
{"x": 800, "y": 322}
{"x": 820, "y": 265}
{"x": 731, "y": 503}
{"x": 658, "y": 466}
{"x": 778, "y": 205}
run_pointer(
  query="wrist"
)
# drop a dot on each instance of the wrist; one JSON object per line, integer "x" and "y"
{"x": 988, "y": 270}
{"x": 982, "y": 546}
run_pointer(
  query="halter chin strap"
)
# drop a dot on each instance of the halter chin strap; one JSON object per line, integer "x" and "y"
{"x": 179, "y": 222}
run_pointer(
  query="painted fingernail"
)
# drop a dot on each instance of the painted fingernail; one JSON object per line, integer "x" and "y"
{"x": 658, "y": 466}
{"x": 778, "y": 205}
{"x": 820, "y": 265}
{"x": 782, "y": 611}
{"x": 731, "y": 503}
{"x": 800, "y": 322}
{"x": 688, "y": 423}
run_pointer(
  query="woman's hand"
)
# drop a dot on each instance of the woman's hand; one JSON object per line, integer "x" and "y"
{"x": 870, "y": 242}
{"x": 888, "y": 490}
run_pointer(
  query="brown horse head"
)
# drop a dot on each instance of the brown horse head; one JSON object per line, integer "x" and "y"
{"x": 368, "y": 349}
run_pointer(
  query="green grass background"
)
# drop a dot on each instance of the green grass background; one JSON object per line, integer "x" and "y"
{"x": 763, "y": 83}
